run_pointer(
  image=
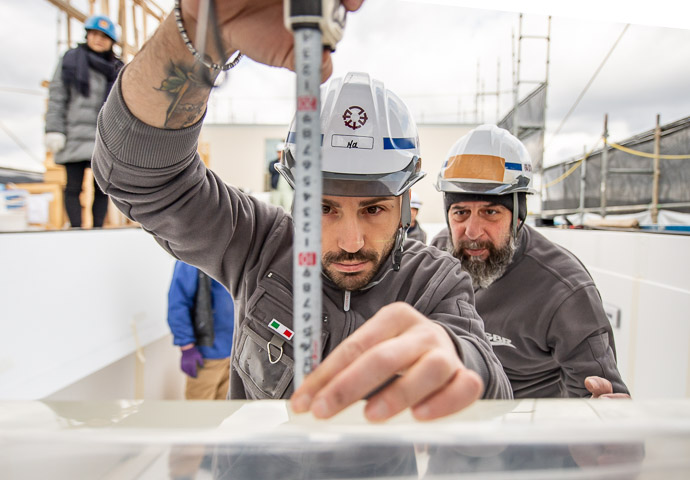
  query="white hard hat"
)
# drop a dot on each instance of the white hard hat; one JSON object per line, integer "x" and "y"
{"x": 415, "y": 201}
{"x": 370, "y": 144}
{"x": 486, "y": 161}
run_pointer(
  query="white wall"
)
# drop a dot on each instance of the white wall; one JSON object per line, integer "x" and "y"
{"x": 71, "y": 302}
{"x": 647, "y": 276}
{"x": 435, "y": 141}
{"x": 238, "y": 152}
{"x": 158, "y": 377}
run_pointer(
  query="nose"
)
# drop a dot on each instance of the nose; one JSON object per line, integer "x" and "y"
{"x": 350, "y": 234}
{"x": 473, "y": 228}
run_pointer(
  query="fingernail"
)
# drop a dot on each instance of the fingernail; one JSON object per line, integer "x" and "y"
{"x": 378, "y": 411}
{"x": 320, "y": 408}
{"x": 300, "y": 403}
{"x": 421, "y": 413}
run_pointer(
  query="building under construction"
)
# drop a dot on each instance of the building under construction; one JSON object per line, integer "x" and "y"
{"x": 91, "y": 383}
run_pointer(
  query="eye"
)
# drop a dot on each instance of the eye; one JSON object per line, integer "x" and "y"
{"x": 491, "y": 211}
{"x": 325, "y": 209}
{"x": 374, "y": 209}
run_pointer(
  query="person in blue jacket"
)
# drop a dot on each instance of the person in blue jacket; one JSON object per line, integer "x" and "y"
{"x": 201, "y": 317}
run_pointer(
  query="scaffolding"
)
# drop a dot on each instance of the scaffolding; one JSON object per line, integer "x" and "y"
{"x": 647, "y": 172}
{"x": 527, "y": 118}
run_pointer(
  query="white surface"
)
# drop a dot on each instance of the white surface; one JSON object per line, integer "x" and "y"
{"x": 245, "y": 422}
{"x": 646, "y": 276}
{"x": 70, "y": 300}
{"x": 128, "y": 439}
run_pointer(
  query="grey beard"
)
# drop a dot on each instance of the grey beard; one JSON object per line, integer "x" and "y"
{"x": 486, "y": 272}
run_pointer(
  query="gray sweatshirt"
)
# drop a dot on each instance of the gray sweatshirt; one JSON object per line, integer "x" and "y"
{"x": 156, "y": 178}
{"x": 546, "y": 322}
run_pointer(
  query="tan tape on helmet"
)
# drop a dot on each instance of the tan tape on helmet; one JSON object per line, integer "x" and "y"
{"x": 480, "y": 167}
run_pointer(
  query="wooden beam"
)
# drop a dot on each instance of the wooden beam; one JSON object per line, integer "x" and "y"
{"x": 70, "y": 10}
{"x": 122, "y": 20}
{"x": 127, "y": 48}
{"x": 134, "y": 26}
{"x": 157, "y": 15}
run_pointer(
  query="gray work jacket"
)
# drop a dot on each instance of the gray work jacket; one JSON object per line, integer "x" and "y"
{"x": 156, "y": 178}
{"x": 546, "y": 322}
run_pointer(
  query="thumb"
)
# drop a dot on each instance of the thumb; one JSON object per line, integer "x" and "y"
{"x": 598, "y": 386}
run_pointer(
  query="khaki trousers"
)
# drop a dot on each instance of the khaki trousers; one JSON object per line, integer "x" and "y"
{"x": 212, "y": 381}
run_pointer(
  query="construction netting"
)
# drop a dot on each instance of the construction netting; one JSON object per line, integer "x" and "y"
{"x": 530, "y": 122}
{"x": 629, "y": 176}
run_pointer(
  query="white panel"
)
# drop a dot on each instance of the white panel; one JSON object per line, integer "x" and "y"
{"x": 647, "y": 276}
{"x": 71, "y": 301}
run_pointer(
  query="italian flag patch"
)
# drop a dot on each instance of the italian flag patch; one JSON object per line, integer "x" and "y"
{"x": 281, "y": 329}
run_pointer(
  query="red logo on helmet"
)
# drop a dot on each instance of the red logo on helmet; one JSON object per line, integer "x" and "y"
{"x": 355, "y": 117}
{"x": 103, "y": 24}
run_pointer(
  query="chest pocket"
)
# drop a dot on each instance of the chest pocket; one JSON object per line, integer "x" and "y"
{"x": 263, "y": 378}
{"x": 266, "y": 369}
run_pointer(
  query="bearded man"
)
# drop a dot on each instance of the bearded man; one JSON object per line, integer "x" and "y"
{"x": 542, "y": 312}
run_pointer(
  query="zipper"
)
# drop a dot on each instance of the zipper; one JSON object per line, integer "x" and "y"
{"x": 278, "y": 279}
{"x": 346, "y": 301}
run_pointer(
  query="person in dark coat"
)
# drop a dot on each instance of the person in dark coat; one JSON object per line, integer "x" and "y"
{"x": 80, "y": 85}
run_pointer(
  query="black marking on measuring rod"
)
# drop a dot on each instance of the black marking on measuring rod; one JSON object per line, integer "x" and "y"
{"x": 307, "y": 211}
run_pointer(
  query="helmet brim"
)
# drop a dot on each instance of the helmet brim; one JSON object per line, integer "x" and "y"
{"x": 483, "y": 188}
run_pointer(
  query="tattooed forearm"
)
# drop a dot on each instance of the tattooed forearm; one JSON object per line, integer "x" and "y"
{"x": 188, "y": 89}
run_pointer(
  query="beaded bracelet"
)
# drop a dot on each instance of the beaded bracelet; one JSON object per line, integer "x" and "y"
{"x": 192, "y": 50}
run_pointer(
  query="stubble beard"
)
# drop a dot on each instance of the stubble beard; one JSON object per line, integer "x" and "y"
{"x": 356, "y": 280}
{"x": 485, "y": 272}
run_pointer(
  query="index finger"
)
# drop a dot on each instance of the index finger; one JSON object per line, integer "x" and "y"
{"x": 352, "y": 5}
{"x": 387, "y": 323}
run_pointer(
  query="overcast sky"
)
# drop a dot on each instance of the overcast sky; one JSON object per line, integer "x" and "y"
{"x": 427, "y": 51}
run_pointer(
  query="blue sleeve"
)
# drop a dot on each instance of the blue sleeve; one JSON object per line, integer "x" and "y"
{"x": 181, "y": 295}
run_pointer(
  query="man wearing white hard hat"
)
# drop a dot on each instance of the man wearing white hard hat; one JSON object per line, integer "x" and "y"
{"x": 542, "y": 311}
{"x": 381, "y": 296}
{"x": 415, "y": 231}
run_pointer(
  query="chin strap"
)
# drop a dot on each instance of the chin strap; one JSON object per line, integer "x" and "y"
{"x": 405, "y": 220}
{"x": 516, "y": 212}
{"x": 517, "y": 224}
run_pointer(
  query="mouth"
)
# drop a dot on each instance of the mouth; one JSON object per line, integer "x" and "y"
{"x": 478, "y": 252}
{"x": 355, "y": 267}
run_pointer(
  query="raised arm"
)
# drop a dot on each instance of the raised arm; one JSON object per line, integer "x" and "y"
{"x": 165, "y": 87}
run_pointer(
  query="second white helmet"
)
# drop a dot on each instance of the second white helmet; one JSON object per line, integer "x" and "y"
{"x": 486, "y": 161}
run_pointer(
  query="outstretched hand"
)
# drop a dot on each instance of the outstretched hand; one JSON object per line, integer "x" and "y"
{"x": 256, "y": 28}
{"x": 401, "y": 343}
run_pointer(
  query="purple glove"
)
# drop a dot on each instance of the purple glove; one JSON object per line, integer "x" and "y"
{"x": 190, "y": 359}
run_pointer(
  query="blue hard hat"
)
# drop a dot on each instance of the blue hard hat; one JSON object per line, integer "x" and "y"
{"x": 102, "y": 24}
